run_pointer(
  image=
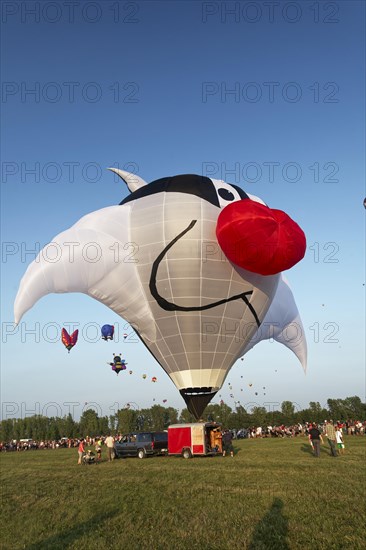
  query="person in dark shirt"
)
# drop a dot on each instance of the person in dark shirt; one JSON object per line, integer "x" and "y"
{"x": 227, "y": 443}
{"x": 315, "y": 437}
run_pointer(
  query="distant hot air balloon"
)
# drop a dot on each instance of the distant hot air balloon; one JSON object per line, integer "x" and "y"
{"x": 364, "y": 202}
{"x": 154, "y": 379}
{"x": 144, "y": 376}
{"x": 209, "y": 256}
{"x": 107, "y": 332}
{"x": 118, "y": 364}
{"x": 130, "y": 371}
{"x": 165, "y": 400}
{"x": 67, "y": 340}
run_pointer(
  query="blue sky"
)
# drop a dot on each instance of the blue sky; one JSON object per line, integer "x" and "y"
{"x": 269, "y": 97}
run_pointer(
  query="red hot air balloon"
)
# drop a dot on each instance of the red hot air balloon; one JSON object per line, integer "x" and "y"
{"x": 67, "y": 340}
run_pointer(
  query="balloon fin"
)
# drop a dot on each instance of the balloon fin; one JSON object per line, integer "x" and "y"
{"x": 283, "y": 324}
{"x": 74, "y": 272}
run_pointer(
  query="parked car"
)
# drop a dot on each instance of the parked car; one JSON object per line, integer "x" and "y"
{"x": 242, "y": 434}
{"x": 142, "y": 444}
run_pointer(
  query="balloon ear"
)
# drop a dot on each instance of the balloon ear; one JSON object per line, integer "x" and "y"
{"x": 133, "y": 181}
{"x": 259, "y": 239}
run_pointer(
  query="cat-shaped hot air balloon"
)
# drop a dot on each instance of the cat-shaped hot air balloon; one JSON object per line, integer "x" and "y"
{"x": 194, "y": 265}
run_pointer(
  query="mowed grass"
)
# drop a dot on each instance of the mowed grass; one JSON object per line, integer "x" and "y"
{"x": 272, "y": 495}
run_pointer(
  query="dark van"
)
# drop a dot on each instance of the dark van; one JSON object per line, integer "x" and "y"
{"x": 142, "y": 444}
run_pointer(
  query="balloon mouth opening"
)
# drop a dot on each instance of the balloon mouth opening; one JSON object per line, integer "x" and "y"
{"x": 197, "y": 399}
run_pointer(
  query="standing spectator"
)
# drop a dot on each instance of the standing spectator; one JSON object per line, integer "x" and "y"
{"x": 339, "y": 439}
{"x": 315, "y": 437}
{"x": 98, "y": 448}
{"x": 331, "y": 436}
{"x": 109, "y": 442}
{"x": 81, "y": 450}
{"x": 227, "y": 443}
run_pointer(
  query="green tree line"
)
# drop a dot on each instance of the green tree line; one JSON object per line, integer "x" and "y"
{"x": 158, "y": 418}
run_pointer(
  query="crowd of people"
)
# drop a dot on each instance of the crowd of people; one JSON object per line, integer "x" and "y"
{"x": 63, "y": 443}
{"x": 316, "y": 433}
{"x": 348, "y": 427}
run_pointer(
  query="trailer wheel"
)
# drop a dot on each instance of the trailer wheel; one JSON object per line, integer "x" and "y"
{"x": 141, "y": 453}
{"x": 186, "y": 453}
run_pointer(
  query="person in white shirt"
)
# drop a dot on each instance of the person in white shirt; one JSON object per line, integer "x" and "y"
{"x": 339, "y": 439}
{"x": 109, "y": 442}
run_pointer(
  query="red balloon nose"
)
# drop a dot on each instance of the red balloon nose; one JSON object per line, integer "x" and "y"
{"x": 259, "y": 239}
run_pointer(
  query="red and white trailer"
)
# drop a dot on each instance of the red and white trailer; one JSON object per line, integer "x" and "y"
{"x": 196, "y": 439}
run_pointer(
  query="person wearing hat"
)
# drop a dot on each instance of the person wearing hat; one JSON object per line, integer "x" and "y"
{"x": 315, "y": 437}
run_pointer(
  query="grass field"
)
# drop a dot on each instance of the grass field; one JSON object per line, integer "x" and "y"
{"x": 272, "y": 495}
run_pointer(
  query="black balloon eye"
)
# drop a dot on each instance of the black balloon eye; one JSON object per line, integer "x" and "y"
{"x": 226, "y": 194}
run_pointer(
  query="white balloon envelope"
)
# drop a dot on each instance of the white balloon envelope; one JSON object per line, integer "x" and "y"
{"x": 162, "y": 269}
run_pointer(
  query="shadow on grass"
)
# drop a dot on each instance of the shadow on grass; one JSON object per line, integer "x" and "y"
{"x": 307, "y": 449}
{"x": 63, "y": 539}
{"x": 271, "y": 531}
